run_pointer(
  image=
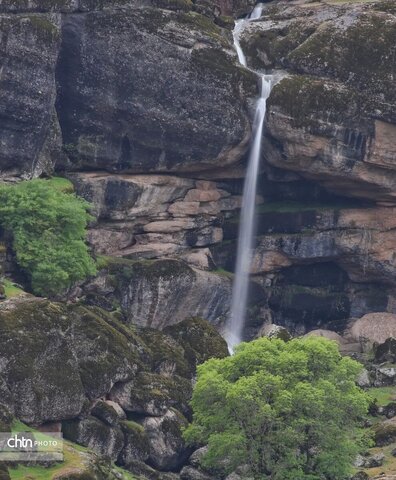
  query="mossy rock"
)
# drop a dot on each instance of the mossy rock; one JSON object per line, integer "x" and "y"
{"x": 270, "y": 48}
{"x": 70, "y": 353}
{"x": 384, "y": 433}
{"x": 166, "y": 354}
{"x": 199, "y": 339}
{"x": 106, "y": 413}
{"x": 225, "y": 22}
{"x": 96, "y": 435}
{"x": 44, "y": 28}
{"x": 358, "y": 55}
{"x": 136, "y": 446}
{"x": 153, "y": 394}
{"x": 306, "y": 100}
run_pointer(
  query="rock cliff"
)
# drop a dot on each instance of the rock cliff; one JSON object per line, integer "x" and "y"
{"x": 145, "y": 108}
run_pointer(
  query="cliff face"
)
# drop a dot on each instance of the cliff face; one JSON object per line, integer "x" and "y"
{"x": 134, "y": 88}
{"x": 144, "y": 106}
{"x": 333, "y": 119}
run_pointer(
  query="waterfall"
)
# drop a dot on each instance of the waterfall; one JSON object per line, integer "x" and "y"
{"x": 236, "y": 322}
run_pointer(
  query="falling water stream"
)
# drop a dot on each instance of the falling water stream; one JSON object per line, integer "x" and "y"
{"x": 236, "y": 322}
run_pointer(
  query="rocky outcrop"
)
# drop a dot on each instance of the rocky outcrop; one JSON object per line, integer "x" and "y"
{"x": 159, "y": 293}
{"x": 151, "y": 216}
{"x": 333, "y": 121}
{"x": 91, "y": 432}
{"x": 166, "y": 445}
{"x": 82, "y": 367}
{"x": 71, "y": 99}
{"x": 163, "y": 95}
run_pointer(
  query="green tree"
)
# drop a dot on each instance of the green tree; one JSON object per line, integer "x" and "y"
{"x": 290, "y": 410}
{"x": 48, "y": 228}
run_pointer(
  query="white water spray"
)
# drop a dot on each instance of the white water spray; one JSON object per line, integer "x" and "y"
{"x": 236, "y": 322}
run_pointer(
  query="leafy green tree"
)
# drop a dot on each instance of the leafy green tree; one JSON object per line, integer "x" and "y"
{"x": 48, "y": 228}
{"x": 290, "y": 410}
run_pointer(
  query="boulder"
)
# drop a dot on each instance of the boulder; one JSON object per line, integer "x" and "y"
{"x": 136, "y": 446}
{"x": 199, "y": 340}
{"x": 158, "y": 293}
{"x": 386, "y": 352}
{"x": 106, "y": 413}
{"x": 385, "y": 376}
{"x": 63, "y": 363}
{"x": 374, "y": 328}
{"x": 389, "y": 410}
{"x": 360, "y": 476}
{"x": 95, "y": 434}
{"x": 196, "y": 457}
{"x": 364, "y": 379}
{"x": 167, "y": 448}
{"x": 370, "y": 461}
{"x": 274, "y": 331}
{"x": 385, "y": 433}
{"x": 152, "y": 394}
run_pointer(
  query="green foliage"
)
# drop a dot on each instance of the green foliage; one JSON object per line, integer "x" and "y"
{"x": 48, "y": 227}
{"x": 289, "y": 410}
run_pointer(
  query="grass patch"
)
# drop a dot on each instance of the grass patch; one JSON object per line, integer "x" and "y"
{"x": 384, "y": 395}
{"x": 11, "y": 290}
{"x": 76, "y": 458}
{"x": 389, "y": 465}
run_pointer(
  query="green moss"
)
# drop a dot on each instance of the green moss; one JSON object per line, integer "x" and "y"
{"x": 130, "y": 426}
{"x": 161, "y": 390}
{"x": 277, "y": 44}
{"x": 196, "y": 21}
{"x": 199, "y": 339}
{"x": 224, "y": 273}
{"x": 306, "y": 100}
{"x": 11, "y": 290}
{"x": 44, "y": 28}
{"x": 164, "y": 351}
{"x": 359, "y": 55}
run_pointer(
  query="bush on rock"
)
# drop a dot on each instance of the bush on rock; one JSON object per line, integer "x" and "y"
{"x": 48, "y": 227}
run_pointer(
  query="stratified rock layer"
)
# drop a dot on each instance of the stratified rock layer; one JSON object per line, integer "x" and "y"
{"x": 334, "y": 121}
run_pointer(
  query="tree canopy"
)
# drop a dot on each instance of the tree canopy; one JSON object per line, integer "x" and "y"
{"x": 290, "y": 410}
{"x": 48, "y": 227}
